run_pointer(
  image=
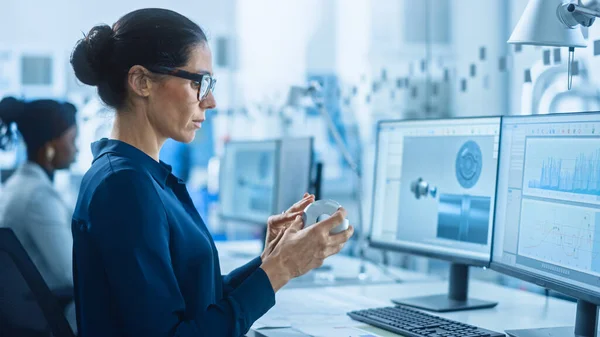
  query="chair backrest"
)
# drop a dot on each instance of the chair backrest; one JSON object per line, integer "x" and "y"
{"x": 27, "y": 306}
{"x": 5, "y": 174}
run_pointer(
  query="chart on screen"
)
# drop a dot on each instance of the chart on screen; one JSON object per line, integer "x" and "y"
{"x": 565, "y": 169}
{"x": 560, "y": 234}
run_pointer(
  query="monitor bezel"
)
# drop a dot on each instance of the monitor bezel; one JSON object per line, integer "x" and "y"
{"x": 422, "y": 251}
{"x": 311, "y": 167}
{"x": 531, "y": 277}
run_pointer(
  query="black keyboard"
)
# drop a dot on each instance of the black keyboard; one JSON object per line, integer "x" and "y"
{"x": 413, "y": 323}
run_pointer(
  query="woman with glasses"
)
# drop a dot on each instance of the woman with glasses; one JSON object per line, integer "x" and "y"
{"x": 144, "y": 261}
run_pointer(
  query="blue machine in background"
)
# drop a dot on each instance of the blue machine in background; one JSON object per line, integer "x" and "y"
{"x": 185, "y": 157}
{"x": 331, "y": 95}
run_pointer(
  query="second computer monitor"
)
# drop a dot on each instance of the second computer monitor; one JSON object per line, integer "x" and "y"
{"x": 434, "y": 196}
{"x": 262, "y": 178}
{"x": 547, "y": 227}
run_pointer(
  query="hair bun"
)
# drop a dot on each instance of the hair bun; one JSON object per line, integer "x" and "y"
{"x": 91, "y": 54}
{"x": 10, "y": 111}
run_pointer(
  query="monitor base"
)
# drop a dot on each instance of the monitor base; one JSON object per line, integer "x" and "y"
{"x": 586, "y": 325}
{"x": 442, "y": 303}
{"x": 567, "y": 331}
{"x": 457, "y": 298}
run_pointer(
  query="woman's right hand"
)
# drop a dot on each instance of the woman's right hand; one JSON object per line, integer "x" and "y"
{"x": 299, "y": 250}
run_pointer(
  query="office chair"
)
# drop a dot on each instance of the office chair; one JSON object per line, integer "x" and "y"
{"x": 5, "y": 174}
{"x": 27, "y": 306}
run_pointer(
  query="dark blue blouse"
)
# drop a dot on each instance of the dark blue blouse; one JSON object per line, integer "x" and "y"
{"x": 144, "y": 261}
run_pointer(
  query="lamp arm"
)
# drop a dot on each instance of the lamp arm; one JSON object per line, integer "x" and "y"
{"x": 584, "y": 10}
{"x": 573, "y": 15}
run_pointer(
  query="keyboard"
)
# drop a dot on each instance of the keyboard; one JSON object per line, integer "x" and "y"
{"x": 413, "y": 323}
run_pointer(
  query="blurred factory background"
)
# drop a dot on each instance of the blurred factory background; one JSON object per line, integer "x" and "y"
{"x": 370, "y": 59}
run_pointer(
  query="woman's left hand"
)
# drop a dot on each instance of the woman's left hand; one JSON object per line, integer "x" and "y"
{"x": 278, "y": 223}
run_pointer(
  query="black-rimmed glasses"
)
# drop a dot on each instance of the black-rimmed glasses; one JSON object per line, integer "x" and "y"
{"x": 205, "y": 82}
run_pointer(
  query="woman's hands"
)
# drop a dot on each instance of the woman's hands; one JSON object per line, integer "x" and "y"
{"x": 297, "y": 250}
{"x": 276, "y": 224}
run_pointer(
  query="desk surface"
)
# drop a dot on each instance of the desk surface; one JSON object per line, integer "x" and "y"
{"x": 516, "y": 309}
{"x": 338, "y": 270}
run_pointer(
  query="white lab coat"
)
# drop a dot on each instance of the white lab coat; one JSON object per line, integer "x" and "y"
{"x": 41, "y": 220}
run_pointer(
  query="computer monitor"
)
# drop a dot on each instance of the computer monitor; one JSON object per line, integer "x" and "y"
{"x": 262, "y": 178}
{"x": 547, "y": 224}
{"x": 433, "y": 196}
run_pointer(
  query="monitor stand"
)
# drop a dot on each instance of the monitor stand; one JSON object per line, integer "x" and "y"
{"x": 585, "y": 325}
{"x": 456, "y": 299}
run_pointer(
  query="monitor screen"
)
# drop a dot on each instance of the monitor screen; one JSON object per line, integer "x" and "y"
{"x": 547, "y": 221}
{"x": 248, "y": 178}
{"x": 434, "y": 187}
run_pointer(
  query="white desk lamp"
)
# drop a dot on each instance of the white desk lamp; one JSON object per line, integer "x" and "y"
{"x": 555, "y": 23}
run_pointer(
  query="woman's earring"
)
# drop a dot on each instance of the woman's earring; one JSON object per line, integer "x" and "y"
{"x": 50, "y": 152}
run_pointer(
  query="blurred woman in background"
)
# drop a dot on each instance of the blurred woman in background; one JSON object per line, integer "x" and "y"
{"x": 29, "y": 203}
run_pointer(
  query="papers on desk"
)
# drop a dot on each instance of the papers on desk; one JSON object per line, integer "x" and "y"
{"x": 361, "y": 330}
{"x": 328, "y": 331}
{"x": 314, "y": 307}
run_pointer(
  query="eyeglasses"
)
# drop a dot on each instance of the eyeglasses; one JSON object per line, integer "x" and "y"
{"x": 204, "y": 82}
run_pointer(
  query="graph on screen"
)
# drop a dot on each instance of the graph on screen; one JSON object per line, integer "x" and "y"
{"x": 564, "y": 235}
{"x": 581, "y": 176}
{"x": 563, "y": 168}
